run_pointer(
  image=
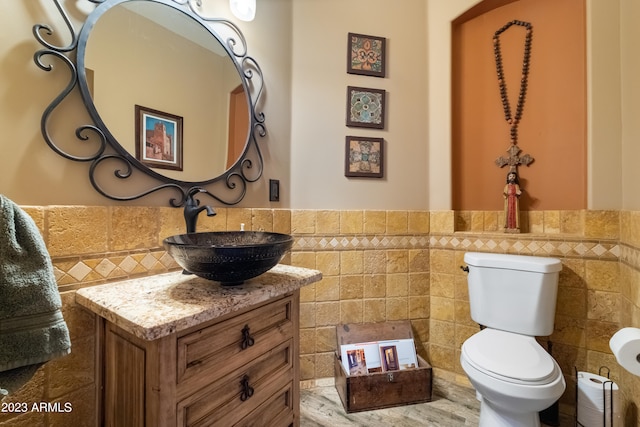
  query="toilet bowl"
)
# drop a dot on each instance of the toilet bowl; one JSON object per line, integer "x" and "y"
{"x": 514, "y": 377}
{"x": 514, "y": 298}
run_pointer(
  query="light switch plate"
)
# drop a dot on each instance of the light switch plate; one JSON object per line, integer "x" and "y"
{"x": 274, "y": 190}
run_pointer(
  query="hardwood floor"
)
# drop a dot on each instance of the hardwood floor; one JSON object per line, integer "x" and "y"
{"x": 452, "y": 406}
{"x": 321, "y": 406}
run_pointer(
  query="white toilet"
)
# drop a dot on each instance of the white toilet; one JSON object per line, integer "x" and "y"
{"x": 514, "y": 298}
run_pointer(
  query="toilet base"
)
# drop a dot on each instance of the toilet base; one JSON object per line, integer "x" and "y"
{"x": 489, "y": 417}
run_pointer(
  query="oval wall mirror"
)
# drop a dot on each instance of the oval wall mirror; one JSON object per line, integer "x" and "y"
{"x": 172, "y": 95}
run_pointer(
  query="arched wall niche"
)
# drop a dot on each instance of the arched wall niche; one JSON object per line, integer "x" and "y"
{"x": 553, "y": 128}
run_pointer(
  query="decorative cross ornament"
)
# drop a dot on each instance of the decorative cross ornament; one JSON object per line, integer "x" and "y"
{"x": 512, "y": 190}
{"x": 513, "y": 120}
{"x": 514, "y": 160}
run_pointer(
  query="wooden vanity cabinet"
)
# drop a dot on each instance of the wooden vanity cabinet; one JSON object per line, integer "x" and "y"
{"x": 237, "y": 370}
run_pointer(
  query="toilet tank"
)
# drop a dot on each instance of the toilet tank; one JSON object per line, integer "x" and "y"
{"x": 513, "y": 293}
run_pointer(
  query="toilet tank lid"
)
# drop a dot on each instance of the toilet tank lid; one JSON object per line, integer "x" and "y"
{"x": 513, "y": 262}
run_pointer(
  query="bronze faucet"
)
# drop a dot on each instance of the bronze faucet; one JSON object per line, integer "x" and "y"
{"x": 192, "y": 208}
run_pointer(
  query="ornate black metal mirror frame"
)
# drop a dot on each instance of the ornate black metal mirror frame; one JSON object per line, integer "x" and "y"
{"x": 229, "y": 188}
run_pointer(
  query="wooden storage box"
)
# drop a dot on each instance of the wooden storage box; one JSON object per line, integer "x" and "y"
{"x": 380, "y": 389}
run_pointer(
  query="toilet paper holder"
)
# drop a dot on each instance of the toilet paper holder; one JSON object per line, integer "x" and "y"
{"x": 605, "y": 384}
{"x": 625, "y": 345}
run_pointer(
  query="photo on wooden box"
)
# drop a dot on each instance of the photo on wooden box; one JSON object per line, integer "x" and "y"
{"x": 357, "y": 361}
{"x": 364, "y": 157}
{"x": 401, "y": 354}
{"x": 366, "y": 55}
{"x": 361, "y": 358}
{"x": 389, "y": 358}
{"x": 365, "y": 107}
{"x": 158, "y": 138}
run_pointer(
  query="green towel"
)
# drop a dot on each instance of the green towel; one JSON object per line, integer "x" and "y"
{"x": 32, "y": 329}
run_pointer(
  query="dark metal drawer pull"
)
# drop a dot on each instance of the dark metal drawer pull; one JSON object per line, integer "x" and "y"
{"x": 247, "y": 339}
{"x": 247, "y": 390}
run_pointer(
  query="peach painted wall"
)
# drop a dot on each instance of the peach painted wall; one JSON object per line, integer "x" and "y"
{"x": 553, "y": 124}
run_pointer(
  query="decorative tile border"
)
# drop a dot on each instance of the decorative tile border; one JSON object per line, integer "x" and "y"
{"x": 524, "y": 245}
{"x": 75, "y": 272}
{"x": 354, "y": 242}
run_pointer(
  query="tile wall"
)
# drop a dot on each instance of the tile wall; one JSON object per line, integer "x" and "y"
{"x": 629, "y": 309}
{"x": 377, "y": 266}
{"x": 589, "y": 294}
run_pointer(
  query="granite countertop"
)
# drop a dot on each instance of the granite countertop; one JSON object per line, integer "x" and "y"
{"x": 156, "y": 306}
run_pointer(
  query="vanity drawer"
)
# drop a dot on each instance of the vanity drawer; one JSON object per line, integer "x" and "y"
{"x": 277, "y": 411}
{"x": 228, "y": 402}
{"x": 204, "y": 355}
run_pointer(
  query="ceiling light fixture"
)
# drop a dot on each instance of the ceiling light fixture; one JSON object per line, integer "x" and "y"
{"x": 244, "y": 10}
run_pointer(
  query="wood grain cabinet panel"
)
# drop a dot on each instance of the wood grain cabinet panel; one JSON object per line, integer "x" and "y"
{"x": 238, "y": 370}
{"x": 232, "y": 343}
{"x": 227, "y": 401}
{"x": 124, "y": 397}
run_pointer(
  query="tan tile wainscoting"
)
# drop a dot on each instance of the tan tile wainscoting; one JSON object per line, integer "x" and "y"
{"x": 377, "y": 266}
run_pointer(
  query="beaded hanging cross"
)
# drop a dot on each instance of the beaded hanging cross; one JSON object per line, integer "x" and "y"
{"x": 514, "y": 160}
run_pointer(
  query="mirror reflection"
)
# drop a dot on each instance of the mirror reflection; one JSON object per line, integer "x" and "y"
{"x": 152, "y": 55}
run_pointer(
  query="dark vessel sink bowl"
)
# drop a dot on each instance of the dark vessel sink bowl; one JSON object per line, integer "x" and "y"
{"x": 229, "y": 257}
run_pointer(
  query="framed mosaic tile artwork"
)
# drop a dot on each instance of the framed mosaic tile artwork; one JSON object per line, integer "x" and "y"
{"x": 366, "y": 55}
{"x": 364, "y": 157}
{"x": 365, "y": 107}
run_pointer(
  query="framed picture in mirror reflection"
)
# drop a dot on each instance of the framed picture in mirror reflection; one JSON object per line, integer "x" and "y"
{"x": 158, "y": 138}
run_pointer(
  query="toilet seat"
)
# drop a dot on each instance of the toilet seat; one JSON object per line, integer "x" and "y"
{"x": 510, "y": 357}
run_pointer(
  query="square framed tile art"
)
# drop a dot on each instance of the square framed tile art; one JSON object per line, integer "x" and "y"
{"x": 366, "y": 55}
{"x": 365, "y": 107}
{"x": 364, "y": 157}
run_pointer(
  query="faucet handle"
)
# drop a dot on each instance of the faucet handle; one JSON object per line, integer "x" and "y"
{"x": 195, "y": 190}
{"x": 190, "y": 199}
